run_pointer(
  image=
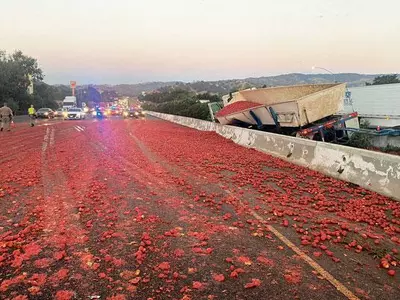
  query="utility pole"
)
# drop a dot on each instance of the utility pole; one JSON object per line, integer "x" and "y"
{"x": 72, "y": 84}
{"x": 334, "y": 78}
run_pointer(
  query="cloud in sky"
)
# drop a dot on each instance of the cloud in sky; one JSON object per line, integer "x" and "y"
{"x": 125, "y": 41}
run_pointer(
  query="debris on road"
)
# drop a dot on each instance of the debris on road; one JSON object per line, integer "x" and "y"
{"x": 154, "y": 209}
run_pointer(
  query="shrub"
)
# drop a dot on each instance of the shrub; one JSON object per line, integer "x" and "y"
{"x": 360, "y": 140}
{"x": 186, "y": 108}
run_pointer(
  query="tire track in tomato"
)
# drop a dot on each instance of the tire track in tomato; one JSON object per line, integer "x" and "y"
{"x": 54, "y": 229}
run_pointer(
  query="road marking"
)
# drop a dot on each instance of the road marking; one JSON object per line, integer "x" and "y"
{"x": 45, "y": 139}
{"x": 312, "y": 263}
{"x": 45, "y": 124}
{"x": 78, "y": 128}
{"x": 81, "y": 127}
{"x": 52, "y": 136}
{"x": 338, "y": 285}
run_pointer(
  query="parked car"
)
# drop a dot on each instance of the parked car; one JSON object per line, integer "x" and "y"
{"x": 45, "y": 113}
{"x": 75, "y": 114}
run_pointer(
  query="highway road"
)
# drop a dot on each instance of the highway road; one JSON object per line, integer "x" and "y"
{"x": 146, "y": 209}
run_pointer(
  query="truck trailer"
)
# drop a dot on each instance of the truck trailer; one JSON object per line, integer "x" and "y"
{"x": 308, "y": 111}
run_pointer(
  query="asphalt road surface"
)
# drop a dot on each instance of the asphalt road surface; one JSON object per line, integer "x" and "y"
{"x": 146, "y": 209}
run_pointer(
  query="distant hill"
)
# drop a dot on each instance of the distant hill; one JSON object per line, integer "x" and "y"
{"x": 135, "y": 89}
{"x": 352, "y": 79}
{"x": 226, "y": 86}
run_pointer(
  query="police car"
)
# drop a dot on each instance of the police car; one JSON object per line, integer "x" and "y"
{"x": 99, "y": 113}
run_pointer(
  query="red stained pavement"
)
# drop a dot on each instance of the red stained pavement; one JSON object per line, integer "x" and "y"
{"x": 146, "y": 209}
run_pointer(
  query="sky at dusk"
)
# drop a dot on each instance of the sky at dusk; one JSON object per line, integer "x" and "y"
{"x": 130, "y": 41}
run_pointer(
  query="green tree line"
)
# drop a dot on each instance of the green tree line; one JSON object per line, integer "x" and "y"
{"x": 384, "y": 79}
{"x": 180, "y": 102}
{"x": 16, "y": 73}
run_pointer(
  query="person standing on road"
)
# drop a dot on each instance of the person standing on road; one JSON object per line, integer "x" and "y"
{"x": 32, "y": 115}
{"x": 6, "y": 115}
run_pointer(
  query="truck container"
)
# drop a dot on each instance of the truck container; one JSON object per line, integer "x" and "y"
{"x": 291, "y": 106}
{"x": 309, "y": 111}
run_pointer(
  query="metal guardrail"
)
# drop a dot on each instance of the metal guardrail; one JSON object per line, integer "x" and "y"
{"x": 378, "y": 116}
{"x": 382, "y": 132}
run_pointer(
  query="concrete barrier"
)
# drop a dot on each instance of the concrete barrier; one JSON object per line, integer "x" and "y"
{"x": 188, "y": 122}
{"x": 384, "y": 141}
{"x": 375, "y": 171}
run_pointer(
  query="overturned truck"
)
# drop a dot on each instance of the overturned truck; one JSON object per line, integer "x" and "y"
{"x": 308, "y": 111}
